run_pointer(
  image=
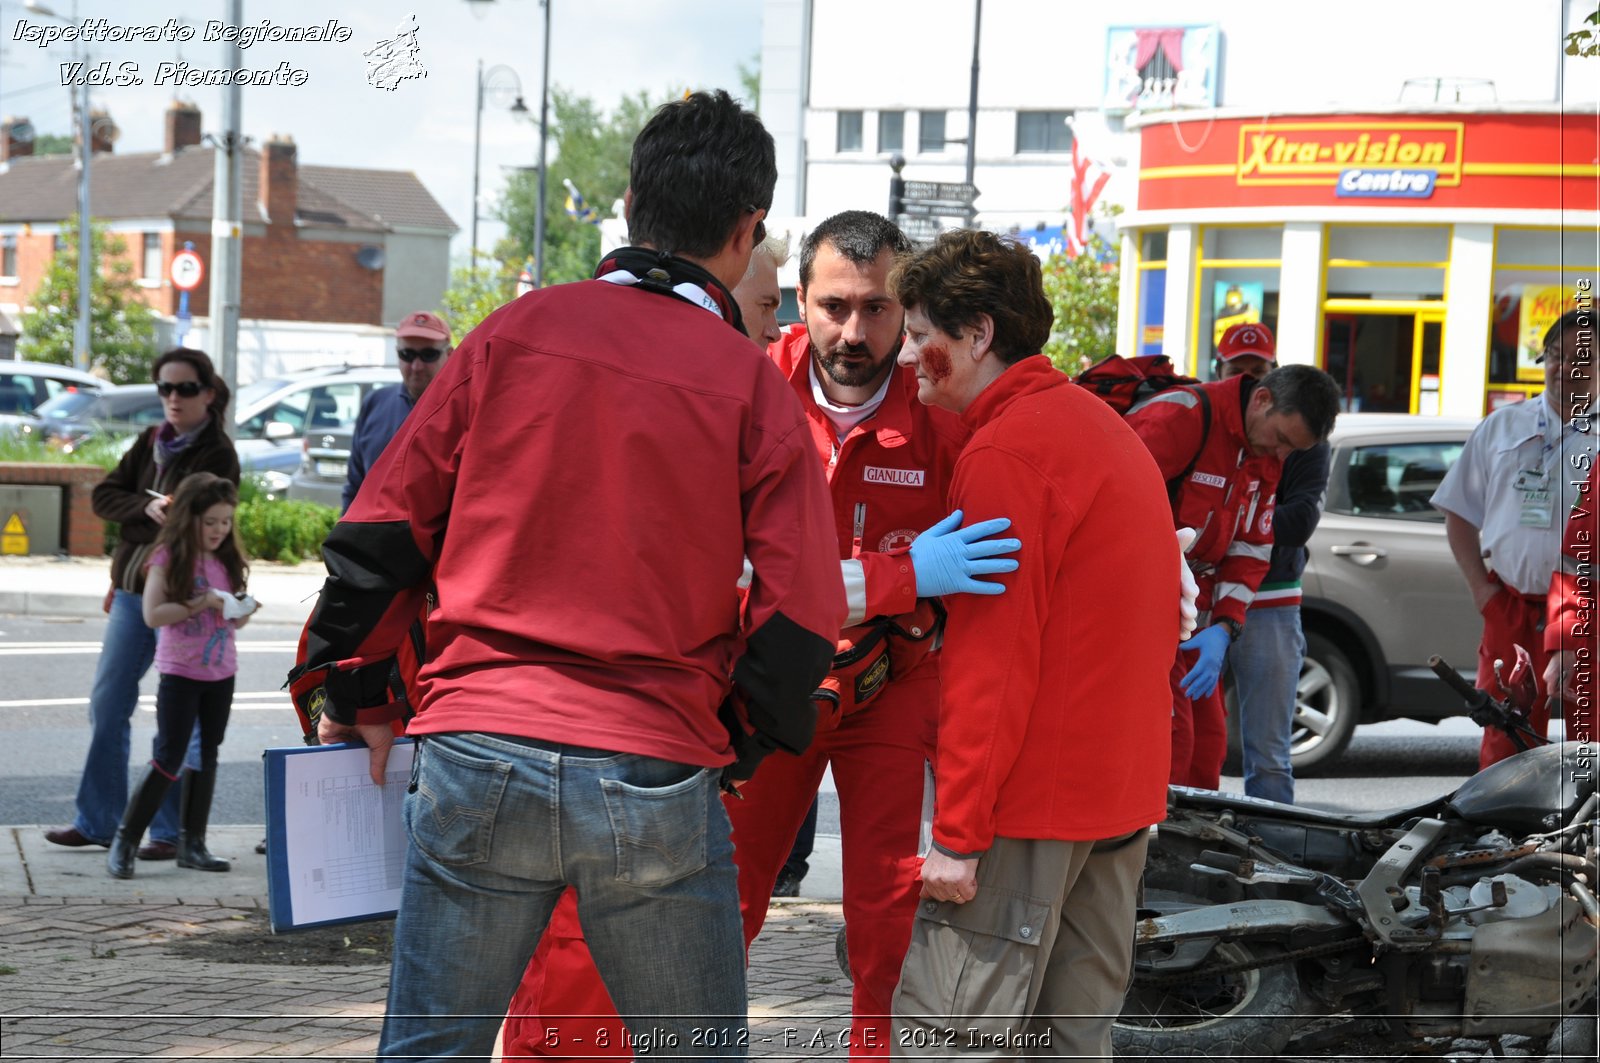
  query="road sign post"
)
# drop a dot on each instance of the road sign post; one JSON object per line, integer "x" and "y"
{"x": 186, "y": 271}
{"x": 923, "y": 203}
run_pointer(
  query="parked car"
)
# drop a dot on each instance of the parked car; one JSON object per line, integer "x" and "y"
{"x": 270, "y": 415}
{"x": 73, "y": 415}
{"x": 24, "y": 386}
{"x": 275, "y": 414}
{"x": 1381, "y": 590}
{"x": 324, "y": 463}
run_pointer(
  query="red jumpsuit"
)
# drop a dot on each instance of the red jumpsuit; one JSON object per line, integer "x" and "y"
{"x": 1221, "y": 499}
{"x": 889, "y": 479}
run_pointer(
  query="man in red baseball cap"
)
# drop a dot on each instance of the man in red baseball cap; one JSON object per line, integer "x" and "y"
{"x": 423, "y": 345}
{"x": 1247, "y": 348}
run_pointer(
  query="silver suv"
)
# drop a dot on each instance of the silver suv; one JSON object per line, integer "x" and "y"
{"x": 276, "y": 415}
{"x": 1382, "y": 591}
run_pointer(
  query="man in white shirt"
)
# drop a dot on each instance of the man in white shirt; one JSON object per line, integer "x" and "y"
{"x": 1505, "y": 503}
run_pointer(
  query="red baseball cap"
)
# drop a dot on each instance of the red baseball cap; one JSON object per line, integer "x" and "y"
{"x": 422, "y": 325}
{"x": 1248, "y": 340}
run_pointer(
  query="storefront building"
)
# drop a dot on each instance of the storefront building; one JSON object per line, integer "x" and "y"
{"x": 1417, "y": 255}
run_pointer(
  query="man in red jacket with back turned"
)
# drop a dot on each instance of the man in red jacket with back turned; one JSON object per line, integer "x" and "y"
{"x": 581, "y": 486}
{"x": 1227, "y": 440}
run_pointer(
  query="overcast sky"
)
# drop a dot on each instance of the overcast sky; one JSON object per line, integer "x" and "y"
{"x": 424, "y": 125}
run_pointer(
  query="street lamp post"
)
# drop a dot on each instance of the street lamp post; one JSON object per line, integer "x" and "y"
{"x": 518, "y": 107}
{"x": 544, "y": 136}
{"x": 81, "y": 355}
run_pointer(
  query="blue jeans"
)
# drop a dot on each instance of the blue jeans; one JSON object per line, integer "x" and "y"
{"x": 1266, "y": 673}
{"x": 499, "y": 827}
{"x": 126, "y": 653}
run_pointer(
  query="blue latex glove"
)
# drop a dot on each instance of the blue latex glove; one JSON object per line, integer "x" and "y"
{"x": 947, "y": 557}
{"x": 1213, "y": 645}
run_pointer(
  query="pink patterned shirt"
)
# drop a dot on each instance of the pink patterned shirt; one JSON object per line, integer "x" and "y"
{"x": 201, "y": 647}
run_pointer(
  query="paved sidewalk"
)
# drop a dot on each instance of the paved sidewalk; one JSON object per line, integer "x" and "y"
{"x": 95, "y": 968}
{"x": 76, "y": 586}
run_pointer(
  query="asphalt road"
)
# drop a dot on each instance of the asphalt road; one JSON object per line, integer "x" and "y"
{"x": 46, "y": 668}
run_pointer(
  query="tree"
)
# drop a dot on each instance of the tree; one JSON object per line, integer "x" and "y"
{"x": 53, "y": 144}
{"x": 122, "y": 329}
{"x": 1083, "y": 291}
{"x": 472, "y": 297}
{"x": 1585, "y": 43}
{"x": 592, "y": 151}
{"x": 750, "y": 82}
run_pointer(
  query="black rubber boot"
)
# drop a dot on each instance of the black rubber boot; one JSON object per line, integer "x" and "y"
{"x": 142, "y": 808}
{"x": 195, "y": 808}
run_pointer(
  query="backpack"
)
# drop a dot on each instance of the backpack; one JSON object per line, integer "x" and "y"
{"x": 1124, "y": 383}
{"x": 390, "y": 680}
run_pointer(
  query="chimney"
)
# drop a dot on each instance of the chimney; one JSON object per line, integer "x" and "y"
{"x": 279, "y": 180}
{"x": 183, "y": 126}
{"x": 16, "y": 138}
{"x": 103, "y": 132}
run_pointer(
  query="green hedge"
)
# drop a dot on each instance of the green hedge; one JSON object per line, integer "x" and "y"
{"x": 290, "y": 532}
{"x": 272, "y": 529}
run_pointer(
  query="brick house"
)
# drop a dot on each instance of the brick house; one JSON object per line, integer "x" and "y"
{"x": 332, "y": 255}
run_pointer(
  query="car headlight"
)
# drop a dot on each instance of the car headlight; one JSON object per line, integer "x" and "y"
{"x": 274, "y": 483}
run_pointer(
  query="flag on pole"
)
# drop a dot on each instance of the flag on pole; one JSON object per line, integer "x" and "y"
{"x": 577, "y": 209}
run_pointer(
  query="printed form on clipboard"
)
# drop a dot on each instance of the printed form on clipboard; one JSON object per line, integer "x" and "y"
{"x": 335, "y": 840}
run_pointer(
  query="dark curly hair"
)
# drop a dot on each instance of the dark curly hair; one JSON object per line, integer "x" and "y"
{"x": 968, "y": 272}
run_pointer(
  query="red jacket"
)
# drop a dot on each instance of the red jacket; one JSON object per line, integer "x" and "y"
{"x": 581, "y": 482}
{"x": 889, "y": 480}
{"x": 1570, "y": 623}
{"x": 1055, "y": 718}
{"x": 1222, "y": 497}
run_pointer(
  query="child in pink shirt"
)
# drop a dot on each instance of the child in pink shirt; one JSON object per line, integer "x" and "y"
{"x": 195, "y": 572}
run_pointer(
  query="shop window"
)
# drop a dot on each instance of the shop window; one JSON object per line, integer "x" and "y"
{"x": 1152, "y": 291}
{"x": 1239, "y": 283}
{"x": 152, "y": 257}
{"x": 1536, "y": 279}
{"x": 930, "y": 132}
{"x": 8, "y": 255}
{"x": 1252, "y": 243}
{"x": 1389, "y": 243}
{"x": 1402, "y": 263}
{"x": 891, "y": 131}
{"x": 849, "y": 131}
{"x": 1039, "y": 131}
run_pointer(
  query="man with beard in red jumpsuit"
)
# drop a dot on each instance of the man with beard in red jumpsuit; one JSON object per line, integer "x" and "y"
{"x": 889, "y": 461}
{"x": 1227, "y": 440}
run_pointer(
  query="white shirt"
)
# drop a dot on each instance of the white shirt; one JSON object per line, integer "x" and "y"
{"x": 1515, "y": 483}
{"x": 845, "y": 418}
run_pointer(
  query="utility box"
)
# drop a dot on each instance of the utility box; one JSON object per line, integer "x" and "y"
{"x": 30, "y": 519}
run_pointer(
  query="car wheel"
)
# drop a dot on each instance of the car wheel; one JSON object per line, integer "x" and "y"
{"x": 1327, "y": 705}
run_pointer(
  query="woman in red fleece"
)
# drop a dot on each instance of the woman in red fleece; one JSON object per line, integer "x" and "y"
{"x": 1054, "y": 720}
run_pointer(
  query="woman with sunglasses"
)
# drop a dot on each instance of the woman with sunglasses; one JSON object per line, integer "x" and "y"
{"x": 135, "y": 495}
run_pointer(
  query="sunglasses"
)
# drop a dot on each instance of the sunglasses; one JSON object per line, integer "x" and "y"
{"x": 429, "y": 355}
{"x": 187, "y": 390}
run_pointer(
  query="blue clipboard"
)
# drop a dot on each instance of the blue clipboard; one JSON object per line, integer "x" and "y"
{"x": 343, "y": 860}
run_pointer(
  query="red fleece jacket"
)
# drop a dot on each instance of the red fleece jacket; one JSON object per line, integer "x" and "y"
{"x": 1055, "y": 716}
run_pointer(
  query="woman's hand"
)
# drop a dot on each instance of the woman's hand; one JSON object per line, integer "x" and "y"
{"x": 157, "y": 509}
